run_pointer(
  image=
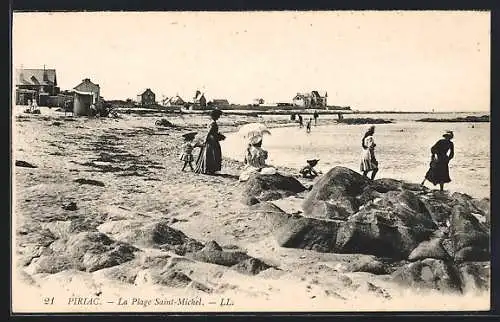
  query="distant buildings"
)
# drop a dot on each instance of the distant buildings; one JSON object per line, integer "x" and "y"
{"x": 199, "y": 100}
{"x": 146, "y": 98}
{"x": 258, "y": 101}
{"x": 175, "y": 101}
{"x": 219, "y": 103}
{"x": 35, "y": 84}
{"x": 310, "y": 100}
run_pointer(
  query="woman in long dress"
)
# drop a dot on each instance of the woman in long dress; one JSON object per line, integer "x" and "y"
{"x": 368, "y": 160}
{"x": 210, "y": 158}
{"x": 441, "y": 154}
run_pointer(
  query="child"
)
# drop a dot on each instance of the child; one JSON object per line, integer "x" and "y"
{"x": 187, "y": 150}
{"x": 308, "y": 171}
{"x": 308, "y": 126}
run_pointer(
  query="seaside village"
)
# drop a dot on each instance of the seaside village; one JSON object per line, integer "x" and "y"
{"x": 129, "y": 201}
{"x": 39, "y": 87}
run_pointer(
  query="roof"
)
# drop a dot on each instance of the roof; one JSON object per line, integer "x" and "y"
{"x": 220, "y": 100}
{"x": 35, "y": 76}
{"x": 146, "y": 90}
{"x": 87, "y": 86}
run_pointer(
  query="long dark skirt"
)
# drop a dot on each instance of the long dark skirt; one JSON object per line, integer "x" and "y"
{"x": 210, "y": 158}
{"x": 438, "y": 172}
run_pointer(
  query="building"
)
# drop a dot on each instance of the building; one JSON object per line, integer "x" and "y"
{"x": 258, "y": 101}
{"x": 35, "y": 84}
{"x": 85, "y": 94}
{"x": 220, "y": 103}
{"x": 87, "y": 86}
{"x": 146, "y": 98}
{"x": 175, "y": 101}
{"x": 199, "y": 100}
{"x": 310, "y": 100}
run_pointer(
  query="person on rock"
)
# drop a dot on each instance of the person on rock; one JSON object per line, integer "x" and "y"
{"x": 308, "y": 171}
{"x": 368, "y": 160}
{"x": 255, "y": 159}
{"x": 441, "y": 154}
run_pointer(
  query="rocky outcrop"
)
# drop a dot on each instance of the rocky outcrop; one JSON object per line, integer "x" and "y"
{"x": 436, "y": 231}
{"x": 265, "y": 187}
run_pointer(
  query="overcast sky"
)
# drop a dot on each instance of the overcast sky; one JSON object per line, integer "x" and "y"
{"x": 367, "y": 60}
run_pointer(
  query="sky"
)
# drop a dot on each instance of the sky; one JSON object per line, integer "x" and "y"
{"x": 369, "y": 60}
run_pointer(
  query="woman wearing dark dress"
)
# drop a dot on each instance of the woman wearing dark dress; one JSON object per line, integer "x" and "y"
{"x": 210, "y": 158}
{"x": 438, "y": 171}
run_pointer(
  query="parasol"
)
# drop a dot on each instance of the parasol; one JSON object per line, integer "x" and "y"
{"x": 253, "y": 129}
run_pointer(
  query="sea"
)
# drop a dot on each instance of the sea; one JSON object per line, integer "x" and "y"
{"x": 403, "y": 148}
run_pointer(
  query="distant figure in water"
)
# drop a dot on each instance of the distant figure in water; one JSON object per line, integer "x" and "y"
{"x": 292, "y": 117}
{"x": 308, "y": 125}
{"x": 210, "y": 158}
{"x": 187, "y": 150}
{"x": 315, "y": 115}
{"x": 308, "y": 171}
{"x": 441, "y": 154}
{"x": 368, "y": 160}
{"x": 301, "y": 124}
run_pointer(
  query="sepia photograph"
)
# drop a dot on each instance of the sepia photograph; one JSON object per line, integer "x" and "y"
{"x": 260, "y": 161}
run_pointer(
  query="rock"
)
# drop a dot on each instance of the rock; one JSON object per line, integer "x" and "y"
{"x": 270, "y": 187}
{"x": 271, "y": 214}
{"x": 95, "y": 250}
{"x": 219, "y": 257}
{"x": 200, "y": 287}
{"x": 24, "y": 164}
{"x": 472, "y": 253}
{"x": 391, "y": 228}
{"x": 90, "y": 182}
{"x": 466, "y": 231}
{"x": 121, "y": 253}
{"x": 308, "y": 233}
{"x": 156, "y": 235}
{"x": 251, "y": 266}
{"x": 250, "y": 200}
{"x": 71, "y": 206}
{"x": 333, "y": 196}
{"x": 173, "y": 279}
{"x": 368, "y": 265}
{"x": 212, "y": 246}
{"x": 475, "y": 276}
{"x": 51, "y": 264}
{"x": 429, "y": 274}
{"x": 429, "y": 249}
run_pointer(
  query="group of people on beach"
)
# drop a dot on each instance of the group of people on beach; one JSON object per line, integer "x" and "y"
{"x": 300, "y": 120}
{"x": 209, "y": 160}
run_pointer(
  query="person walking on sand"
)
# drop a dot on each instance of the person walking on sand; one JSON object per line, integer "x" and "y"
{"x": 441, "y": 154}
{"x": 315, "y": 115}
{"x": 210, "y": 158}
{"x": 368, "y": 160}
{"x": 308, "y": 126}
{"x": 301, "y": 124}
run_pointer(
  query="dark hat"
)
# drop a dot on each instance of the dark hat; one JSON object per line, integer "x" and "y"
{"x": 312, "y": 162}
{"x": 215, "y": 113}
{"x": 448, "y": 134}
{"x": 190, "y": 135}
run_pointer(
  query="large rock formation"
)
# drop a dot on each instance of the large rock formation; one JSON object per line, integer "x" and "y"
{"x": 348, "y": 213}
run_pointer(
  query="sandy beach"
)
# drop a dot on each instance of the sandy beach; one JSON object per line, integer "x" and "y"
{"x": 139, "y": 183}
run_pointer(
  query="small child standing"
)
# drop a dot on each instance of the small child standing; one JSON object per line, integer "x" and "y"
{"x": 187, "y": 150}
{"x": 308, "y": 171}
{"x": 308, "y": 126}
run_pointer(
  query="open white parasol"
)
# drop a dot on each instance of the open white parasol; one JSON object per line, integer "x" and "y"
{"x": 253, "y": 129}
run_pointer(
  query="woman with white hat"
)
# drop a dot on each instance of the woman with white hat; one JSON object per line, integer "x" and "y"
{"x": 441, "y": 154}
